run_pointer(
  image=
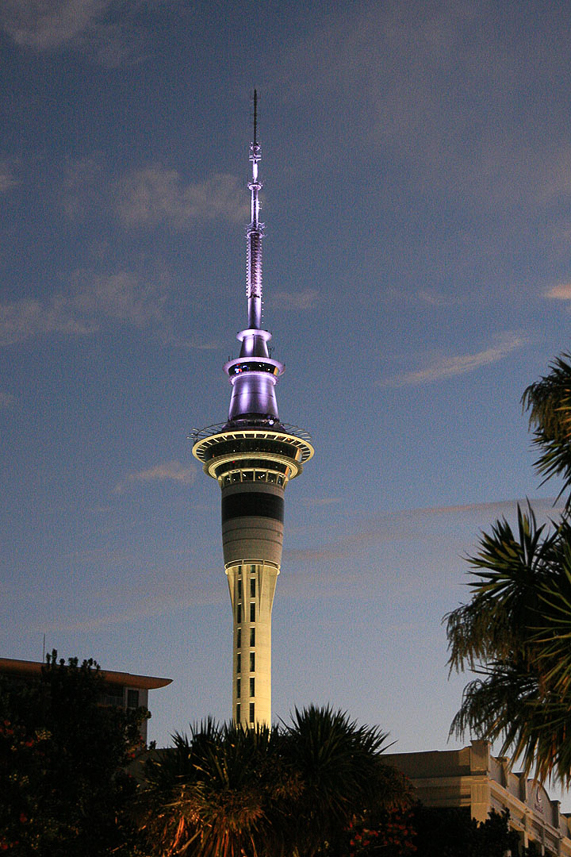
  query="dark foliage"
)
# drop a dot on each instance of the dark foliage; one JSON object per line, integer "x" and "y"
{"x": 549, "y": 404}
{"x": 386, "y": 832}
{"x": 62, "y": 758}
{"x": 228, "y": 791}
{"x": 514, "y": 633}
{"x": 453, "y": 833}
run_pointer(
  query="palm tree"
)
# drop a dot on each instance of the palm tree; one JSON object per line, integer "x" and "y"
{"x": 232, "y": 792}
{"x": 514, "y": 634}
{"x": 343, "y": 776}
{"x": 516, "y": 629}
{"x": 549, "y": 404}
{"x": 216, "y": 794}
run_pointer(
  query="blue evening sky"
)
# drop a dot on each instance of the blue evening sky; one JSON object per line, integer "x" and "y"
{"x": 416, "y": 159}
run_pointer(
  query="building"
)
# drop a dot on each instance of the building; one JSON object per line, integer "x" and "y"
{"x": 474, "y": 779}
{"x": 252, "y": 456}
{"x": 122, "y": 690}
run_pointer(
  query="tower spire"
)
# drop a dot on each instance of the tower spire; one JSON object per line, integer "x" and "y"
{"x": 254, "y": 374}
{"x": 254, "y": 234}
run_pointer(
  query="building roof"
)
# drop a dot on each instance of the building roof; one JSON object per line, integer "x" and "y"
{"x": 9, "y": 666}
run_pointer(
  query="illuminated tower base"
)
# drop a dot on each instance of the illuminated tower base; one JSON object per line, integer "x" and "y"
{"x": 252, "y": 467}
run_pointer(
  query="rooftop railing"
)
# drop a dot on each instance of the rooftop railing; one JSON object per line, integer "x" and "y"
{"x": 266, "y": 426}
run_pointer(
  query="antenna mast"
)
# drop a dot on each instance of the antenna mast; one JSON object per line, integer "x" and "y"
{"x": 254, "y": 234}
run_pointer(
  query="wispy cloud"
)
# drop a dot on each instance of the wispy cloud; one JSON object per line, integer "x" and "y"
{"x": 84, "y": 186}
{"x": 321, "y": 501}
{"x": 121, "y": 297}
{"x": 46, "y": 24}
{"x": 92, "y": 301}
{"x": 428, "y": 296}
{"x": 442, "y": 367}
{"x": 295, "y": 300}
{"x": 179, "y": 598}
{"x": 408, "y": 524}
{"x": 23, "y": 320}
{"x": 493, "y": 507}
{"x": 163, "y": 594}
{"x": 104, "y": 30}
{"x": 401, "y": 66}
{"x": 186, "y": 587}
{"x": 101, "y": 556}
{"x": 156, "y": 195}
{"x": 8, "y": 175}
{"x": 168, "y": 471}
{"x": 391, "y": 65}
{"x": 433, "y": 297}
{"x": 562, "y": 292}
{"x": 201, "y": 344}
{"x": 6, "y": 399}
{"x": 151, "y": 196}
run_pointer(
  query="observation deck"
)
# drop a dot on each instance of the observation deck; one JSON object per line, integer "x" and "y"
{"x": 231, "y": 453}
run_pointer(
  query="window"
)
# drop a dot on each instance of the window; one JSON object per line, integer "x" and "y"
{"x": 252, "y": 712}
{"x": 252, "y": 587}
{"x": 239, "y": 613}
{"x": 252, "y": 687}
{"x": 238, "y": 687}
{"x": 239, "y": 587}
{"x": 239, "y": 638}
{"x": 114, "y": 696}
{"x": 238, "y": 663}
{"x": 252, "y": 662}
{"x": 252, "y": 636}
{"x": 252, "y": 611}
{"x": 237, "y": 712}
{"x": 132, "y": 698}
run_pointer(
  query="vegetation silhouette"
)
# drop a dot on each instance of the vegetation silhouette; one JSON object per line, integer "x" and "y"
{"x": 63, "y": 785}
{"x": 226, "y": 791}
{"x": 515, "y": 631}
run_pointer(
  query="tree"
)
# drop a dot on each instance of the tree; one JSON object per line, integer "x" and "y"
{"x": 62, "y": 754}
{"x": 451, "y": 832}
{"x": 342, "y": 774}
{"x": 514, "y": 632}
{"x": 216, "y": 794}
{"x": 296, "y": 789}
{"x": 390, "y": 831}
{"x": 549, "y": 404}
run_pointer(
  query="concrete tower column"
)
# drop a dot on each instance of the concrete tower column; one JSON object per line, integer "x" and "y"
{"x": 253, "y": 466}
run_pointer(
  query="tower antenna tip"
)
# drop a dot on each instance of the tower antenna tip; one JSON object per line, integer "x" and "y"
{"x": 255, "y": 117}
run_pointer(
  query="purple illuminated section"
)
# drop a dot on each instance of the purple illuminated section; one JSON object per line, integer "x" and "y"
{"x": 254, "y": 374}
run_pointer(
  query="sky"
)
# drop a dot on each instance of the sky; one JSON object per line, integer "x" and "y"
{"x": 416, "y": 160}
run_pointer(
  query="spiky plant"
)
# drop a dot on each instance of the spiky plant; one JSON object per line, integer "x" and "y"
{"x": 549, "y": 404}
{"x": 515, "y": 634}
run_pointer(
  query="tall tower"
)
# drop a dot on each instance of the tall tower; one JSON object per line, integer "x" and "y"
{"x": 253, "y": 456}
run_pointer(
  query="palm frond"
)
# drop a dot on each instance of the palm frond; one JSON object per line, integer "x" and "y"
{"x": 507, "y": 575}
{"x": 549, "y": 404}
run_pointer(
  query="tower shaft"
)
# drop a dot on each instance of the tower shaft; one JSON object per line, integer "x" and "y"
{"x": 252, "y": 465}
